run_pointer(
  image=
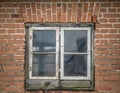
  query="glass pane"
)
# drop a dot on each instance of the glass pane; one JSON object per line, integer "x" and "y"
{"x": 44, "y": 40}
{"x": 75, "y": 65}
{"x": 75, "y": 41}
{"x": 43, "y": 65}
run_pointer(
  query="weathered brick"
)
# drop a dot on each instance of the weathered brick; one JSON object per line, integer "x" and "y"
{"x": 116, "y": 25}
{"x": 111, "y": 15}
{"x": 104, "y": 25}
{"x": 116, "y": 4}
{"x": 106, "y": 5}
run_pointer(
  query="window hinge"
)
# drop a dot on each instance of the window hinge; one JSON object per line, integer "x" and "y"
{"x": 30, "y": 37}
{"x": 30, "y": 68}
{"x": 59, "y": 70}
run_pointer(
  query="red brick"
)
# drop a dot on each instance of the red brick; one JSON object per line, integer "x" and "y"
{"x": 4, "y": 15}
{"x": 104, "y": 41}
{"x": 85, "y": 9}
{"x": 54, "y": 7}
{"x": 19, "y": 20}
{"x": 33, "y": 8}
{"x": 111, "y": 15}
{"x": 116, "y": 25}
{"x": 118, "y": 10}
{"x": 115, "y": 78}
{"x": 73, "y": 18}
{"x": 112, "y": 36}
{"x": 83, "y": 18}
{"x": 29, "y": 18}
{"x": 5, "y": 36}
{"x": 105, "y": 52}
{"x": 103, "y": 10}
{"x": 3, "y": 10}
{"x": 43, "y": 8}
{"x": 92, "y": 0}
{"x": 105, "y": 4}
{"x": 116, "y": 4}
{"x": 83, "y": 0}
{"x": 99, "y": 77}
{"x": 10, "y": 21}
{"x": 5, "y": 78}
{"x": 2, "y": 32}
{"x": 98, "y": 36}
{"x": 112, "y": 20}
{"x": 74, "y": 9}
{"x": 18, "y": 78}
{"x": 18, "y": 57}
{"x": 63, "y": 18}
{"x": 116, "y": 46}
{"x": 10, "y": 5}
{"x": 115, "y": 52}
{"x": 104, "y": 88}
{"x": 11, "y": 25}
{"x": 64, "y": 7}
{"x": 104, "y": 25}
{"x": 111, "y": 9}
{"x": 58, "y": 15}
{"x": 103, "y": 20}
{"x": 103, "y": 46}
{"x": 49, "y": 15}
{"x": 101, "y": 68}
{"x": 34, "y": 18}
{"x": 113, "y": 30}
{"x": 104, "y": 31}
{"x": 80, "y": 15}
{"x": 18, "y": 36}
{"x": 96, "y": 9}
{"x": 54, "y": 18}
{"x": 13, "y": 67}
{"x": 69, "y": 15}
{"x": 44, "y": 18}
{"x": 74, "y": 0}
{"x": 39, "y": 15}
{"x": 2, "y": 20}
{"x": 114, "y": 41}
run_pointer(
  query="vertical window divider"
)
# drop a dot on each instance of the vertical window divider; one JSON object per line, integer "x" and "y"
{"x": 30, "y": 52}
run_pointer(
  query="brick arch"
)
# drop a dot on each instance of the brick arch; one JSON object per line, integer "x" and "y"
{"x": 60, "y": 12}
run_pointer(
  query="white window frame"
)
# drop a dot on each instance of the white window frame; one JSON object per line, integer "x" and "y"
{"x": 60, "y": 53}
{"x": 88, "y": 29}
{"x": 56, "y": 29}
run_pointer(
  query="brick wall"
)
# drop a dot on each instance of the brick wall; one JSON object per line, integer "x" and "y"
{"x": 106, "y": 15}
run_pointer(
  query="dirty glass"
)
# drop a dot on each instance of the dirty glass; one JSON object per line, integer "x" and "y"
{"x": 75, "y": 41}
{"x": 44, "y": 41}
{"x": 43, "y": 65}
{"x": 75, "y": 65}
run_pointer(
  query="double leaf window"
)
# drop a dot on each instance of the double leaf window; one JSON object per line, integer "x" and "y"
{"x": 59, "y": 56}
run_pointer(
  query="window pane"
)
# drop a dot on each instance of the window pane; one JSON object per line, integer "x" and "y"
{"x": 75, "y": 41}
{"x": 43, "y": 65}
{"x": 75, "y": 65}
{"x": 44, "y": 40}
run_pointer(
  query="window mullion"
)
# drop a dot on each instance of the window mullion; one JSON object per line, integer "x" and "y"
{"x": 75, "y": 53}
{"x": 43, "y": 52}
{"x": 57, "y": 52}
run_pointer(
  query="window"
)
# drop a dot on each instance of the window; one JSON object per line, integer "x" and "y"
{"x": 59, "y": 56}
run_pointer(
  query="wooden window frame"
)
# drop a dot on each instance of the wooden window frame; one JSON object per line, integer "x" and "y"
{"x": 88, "y": 54}
{"x": 60, "y": 82}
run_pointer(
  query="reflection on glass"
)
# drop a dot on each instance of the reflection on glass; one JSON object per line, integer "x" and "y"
{"x": 43, "y": 65}
{"x": 75, "y": 41}
{"x": 44, "y": 40}
{"x": 75, "y": 65}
